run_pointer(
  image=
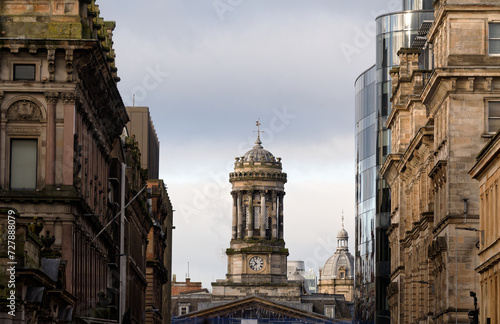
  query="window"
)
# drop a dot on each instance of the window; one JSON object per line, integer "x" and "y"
{"x": 24, "y": 72}
{"x": 330, "y": 311}
{"x": 494, "y": 38}
{"x": 342, "y": 275}
{"x": 23, "y": 160}
{"x": 183, "y": 309}
{"x": 493, "y": 116}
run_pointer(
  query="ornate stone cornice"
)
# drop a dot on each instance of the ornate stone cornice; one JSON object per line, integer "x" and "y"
{"x": 255, "y": 175}
{"x": 488, "y": 264}
{"x": 424, "y": 136}
{"x": 388, "y": 169}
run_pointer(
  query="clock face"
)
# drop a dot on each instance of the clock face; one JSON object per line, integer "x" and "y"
{"x": 256, "y": 263}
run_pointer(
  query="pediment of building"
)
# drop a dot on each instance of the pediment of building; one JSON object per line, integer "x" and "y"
{"x": 256, "y": 305}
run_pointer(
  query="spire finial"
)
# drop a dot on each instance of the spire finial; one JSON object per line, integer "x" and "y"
{"x": 342, "y": 219}
{"x": 258, "y": 142}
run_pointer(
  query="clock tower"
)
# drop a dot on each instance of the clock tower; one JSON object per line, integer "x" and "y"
{"x": 257, "y": 257}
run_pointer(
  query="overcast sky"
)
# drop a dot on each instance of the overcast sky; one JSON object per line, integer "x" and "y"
{"x": 208, "y": 70}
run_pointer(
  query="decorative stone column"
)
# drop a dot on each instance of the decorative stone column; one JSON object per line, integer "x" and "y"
{"x": 274, "y": 213}
{"x": 235, "y": 215}
{"x": 280, "y": 216}
{"x": 262, "y": 214}
{"x": 50, "y": 161}
{"x": 250, "y": 214}
{"x": 240, "y": 216}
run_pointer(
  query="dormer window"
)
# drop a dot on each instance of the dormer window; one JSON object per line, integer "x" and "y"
{"x": 24, "y": 72}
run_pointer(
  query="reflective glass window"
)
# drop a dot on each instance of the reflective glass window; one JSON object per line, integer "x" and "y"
{"x": 397, "y": 43}
{"x": 396, "y": 22}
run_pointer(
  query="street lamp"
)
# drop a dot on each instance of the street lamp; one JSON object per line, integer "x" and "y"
{"x": 474, "y": 314}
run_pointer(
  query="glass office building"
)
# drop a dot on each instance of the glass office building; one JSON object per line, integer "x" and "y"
{"x": 372, "y": 101}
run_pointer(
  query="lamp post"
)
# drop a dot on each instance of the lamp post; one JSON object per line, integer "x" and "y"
{"x": 474, "y": 314}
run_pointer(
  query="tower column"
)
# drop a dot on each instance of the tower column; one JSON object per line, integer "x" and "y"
{"x": 262, "y": 214}
{"x": 240, "y": 217}
{"x": 250, "y": 214}
{"x": 274, "y": 222}
{"x": 235, "y": 215}
{"x": 280, "y": 216}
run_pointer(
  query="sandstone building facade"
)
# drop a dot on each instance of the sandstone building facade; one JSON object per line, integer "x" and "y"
{"x": 141, "y": 127}
{"x": 67, "y": 169}
{"x": 440, "y": 120}
{"x": 487, "y": 172}
{"x": 159, "y": 254}
{"x": 372, "y": 100}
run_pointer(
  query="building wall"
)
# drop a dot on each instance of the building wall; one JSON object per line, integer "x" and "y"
{"x": 141, "y": 126}
{"x": 372, "y": 254}
{"x": 343, "y": 287}
{"x": 179, "y": 288}
{"x": 159, "y": 254}
{"x": 439, "y": 124}
{"x": 487, "y": 172}
{"x": 365, "y": 194}
{"x": 69, "y": 107}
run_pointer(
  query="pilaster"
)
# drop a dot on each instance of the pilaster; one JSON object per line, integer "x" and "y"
{"x": 51, "y": 99}
{"x": 69, "y": 99}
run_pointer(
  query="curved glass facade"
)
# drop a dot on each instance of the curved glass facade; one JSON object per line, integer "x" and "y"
{"x": 373, "y": 87}
{"x": 366, "y": 168}
{"x": 417, "y": 5}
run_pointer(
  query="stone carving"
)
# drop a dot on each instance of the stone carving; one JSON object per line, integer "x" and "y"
{"x": 69, "y": 65}
{"x": 51, "y": 57}
{"x": 51, "y": 97}
{"x": 48, "y": 240}
{"x": 24, "y": 110}
{"x": 36, "y": 227}
{"x": 69, "y": 97}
